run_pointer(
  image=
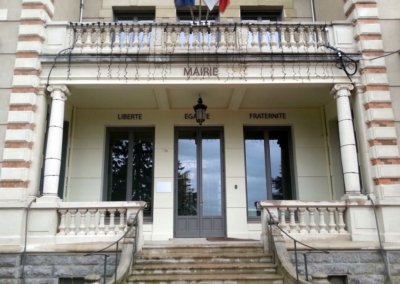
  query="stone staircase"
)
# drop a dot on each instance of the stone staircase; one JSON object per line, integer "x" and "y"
{"x": 218, "y": 262}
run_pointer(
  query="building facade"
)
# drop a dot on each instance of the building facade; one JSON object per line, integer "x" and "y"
{"x": 97, "y": 97}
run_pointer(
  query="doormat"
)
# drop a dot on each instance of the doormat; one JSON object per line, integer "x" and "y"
{"x": 223, "y": 239}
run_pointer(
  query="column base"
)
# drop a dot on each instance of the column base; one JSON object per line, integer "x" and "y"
{"x": 356, "y": 197}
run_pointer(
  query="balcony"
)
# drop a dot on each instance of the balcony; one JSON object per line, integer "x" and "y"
{"x": 168, "y": 39}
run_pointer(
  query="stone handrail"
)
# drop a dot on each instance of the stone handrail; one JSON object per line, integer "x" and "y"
{"x": 308, "y": 218}
{"x": 185, "y": 38}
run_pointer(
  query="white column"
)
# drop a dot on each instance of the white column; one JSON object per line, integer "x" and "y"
{"x": 348, "y": 150}
{"x": 52, "y": 162}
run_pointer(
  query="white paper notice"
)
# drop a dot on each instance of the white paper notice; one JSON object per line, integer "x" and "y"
{"x": 164, "y": 186}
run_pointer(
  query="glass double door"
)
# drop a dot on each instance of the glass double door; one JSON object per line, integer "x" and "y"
{"x": 199, "y": 183}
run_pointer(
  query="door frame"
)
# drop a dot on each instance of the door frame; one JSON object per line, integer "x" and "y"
{"x": 198, "y": 155}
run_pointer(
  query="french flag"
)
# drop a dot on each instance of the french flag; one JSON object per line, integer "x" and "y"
{"x": 184, "y": 3}
{"x": 222, "y": 5}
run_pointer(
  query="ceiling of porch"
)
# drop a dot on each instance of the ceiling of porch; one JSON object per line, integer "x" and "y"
{"x": 176, "y": 97}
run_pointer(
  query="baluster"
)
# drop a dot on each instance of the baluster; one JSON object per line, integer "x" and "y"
{"x": 186, "y": 44}
{"x": 231, "y": 37}
{"x": 264, "y": 36}
{"x": 284, "y": 42}
{"x": 146, "y": 41}
{"x": 341, "y": 224}
{"x": 168, "y": 31}
{"x": 107, "y": 38}
{"x": 102, "y": 217}
{"x": 122, "y": 222}
{"x": 92, "y": 226}
{"x": 111, "y": 225}
{"x": 302, "y": 40}
{"x": 274, "y": 38}
{"x": 312, "y": 224}
{"x": 125, "y": 42}
{"x": 179, "y": 41}
{"x": 292, "y": 222}
{"x": 82, "y": 226}
{"x": 135, "y": 38}
{"x": 213, "y": 37}
{"x": 98, "y": 41}
{"x": 292, "y": 40}
{"x": 195, "y": 32}
{"x": 282, "y": 218}
{"x": 117, "y": 39}
{"x": 78, "y": 31}
{"x": 254, "y": 36}
{"x": 321, "y": 41}
{"x": 71, "y": 225}
{"x": 302, "y": 222}
{"x": 222, "y": 41}
{"x": 89, "y": 34}
{"x": 332, "y": 224}
{"x": 311, "y": 38}
{"x": 61, "y": 227}
{"x": 204, "y": 42}
{"x": 322, "y": 225}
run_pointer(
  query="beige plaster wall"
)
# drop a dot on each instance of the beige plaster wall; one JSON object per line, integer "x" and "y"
{"x": 329, "y": 10}
{"x": 86, "y": 171}
{"x": 10, "y": 12}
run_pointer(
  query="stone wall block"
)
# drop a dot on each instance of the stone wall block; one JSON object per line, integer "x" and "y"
{"x": 42, "y": 271}
{"x": 386, "y": 171}
{"x": 48, "y": 3}
{"x": 376, "y": 63}
{"x": 27, "y": 81}
{"x": 365, "y": 279}
{"x": 32, "y": 30}
{"x": 8, "y": 261}
{"x": 375, "y": 79}
{"x": 19, "y": 135}
{"x": 23, "y": 99}
{"x": 21, "y": 117}
{"x": 34, "y": 14}
{"x": 368, "y": 29}
{"x": 13, "y": 174}
{"x": 371, "y": 45}
{"x": 382, "y": 133}
{"x": 394, "y": 257}
{"x": 27, "y": 63}
{"x": 29, "y": 46}
{"x": 380, "y": 114}
{"x": 42, "y": 281}
{"x": 377, "y": 97}
{"x": 17, "y": 154}
{"x": 7, "y": 272}
{"x": 384, "y": 151}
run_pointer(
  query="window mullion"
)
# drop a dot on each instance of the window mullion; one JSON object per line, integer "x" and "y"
{"x": 129, "y": 171}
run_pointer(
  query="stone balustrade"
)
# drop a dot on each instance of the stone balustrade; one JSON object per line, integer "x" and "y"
{"x": 308, "y": 218}
{"x": 184, "y": 38}
{"x": 95, "y": 218}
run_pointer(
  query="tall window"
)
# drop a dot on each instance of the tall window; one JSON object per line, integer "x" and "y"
{"x": 126, "y": 15}
{"x": 130, "y": 155}
{"x": 260, "y": 14}
{"x": 268, "y": 166}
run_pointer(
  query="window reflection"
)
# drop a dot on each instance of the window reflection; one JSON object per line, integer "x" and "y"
{"x": 268, "y": 168}
{"x": 130, "y": 170}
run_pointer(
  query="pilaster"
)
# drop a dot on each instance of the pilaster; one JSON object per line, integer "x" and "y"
{"x": 27, "y": 106}
{"x": 379, "y": 118}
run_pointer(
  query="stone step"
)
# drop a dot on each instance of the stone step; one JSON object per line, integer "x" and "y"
{"x": 193, "y": 255}
{"x": 203, "y": 268}
{"x": 204, "y": 259}
{"x": 210, "y": 248}
{"x": 207, "y": 278}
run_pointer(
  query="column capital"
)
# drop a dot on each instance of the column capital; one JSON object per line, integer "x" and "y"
{"x": 342, "y": 90}
{"x": 61, "y": 90}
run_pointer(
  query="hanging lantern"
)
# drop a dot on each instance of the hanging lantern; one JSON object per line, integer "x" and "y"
{"x": 200, "y": 111}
